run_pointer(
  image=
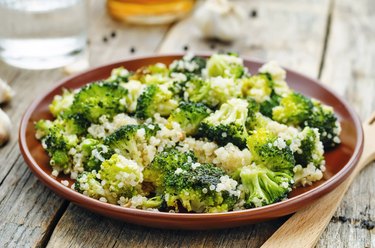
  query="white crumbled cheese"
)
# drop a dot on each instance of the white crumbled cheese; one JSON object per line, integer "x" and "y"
{"x": 308, "y": 175}
{"x": 204, "y": 190}
{"x": 212, "y": 187}
{"x": 55, "y": 173}
{"x": 227, "y": 184}
{"x": 178, "y": 171}
{"x": 65, "y": 183}
{"x": 195, "y": 165}
{"x": 103, "y": 199}
{"x": 273, "y": 68}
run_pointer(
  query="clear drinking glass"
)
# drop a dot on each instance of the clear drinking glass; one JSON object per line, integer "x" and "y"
{"x": 42, "y": 34}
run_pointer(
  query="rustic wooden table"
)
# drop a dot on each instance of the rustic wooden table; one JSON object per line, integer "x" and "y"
{"x": 326, "y": 39}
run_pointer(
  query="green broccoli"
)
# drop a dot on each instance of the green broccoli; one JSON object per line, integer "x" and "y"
{"x": 126, "y": 140}
{"x": 266, "y": 107}
{"x": 225, "y": 65}
{"x": 135, "y": 89}
{"x": 123, "y": 176}
{"x": 87, "y": 183}
{"x": 58, "y": 144}
{"x": 271, "y": 151}
{"x": 294, "y": 109}
{"x": 164, "y": 162}
{"x": 117, "y": 177}
{"x": 152, "y": 74}
{"x": 324, "y": 119}
{"x": 189, "y": 116}
{"x": 93, "y": 153}
{"x": 252, "y": 110}
{"x": 155, "y": 99}
{"x": 311, "y": 148}
{"x": 200, "y": 188}
{"x": 259, "y": 87}
{"x": 62, "y": 102}
{"x": 119, "y": 75}
{"x": 262, "y": 186}
{"x": 188, "y": 65}
{"x": 97, "y": 99}
{"x": 228, "y": 124}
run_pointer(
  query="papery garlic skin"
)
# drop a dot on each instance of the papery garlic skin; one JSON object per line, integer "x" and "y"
{"x": 5, "y": 127}
{"x": 6, "y": 93}
{"x": 220, "y": 19}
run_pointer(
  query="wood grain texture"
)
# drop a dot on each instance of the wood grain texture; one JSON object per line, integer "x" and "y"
{"x": 291, "y": 32}
{"x": 100, "y": 231}
{"x": 27, "y": 208}
{"x": 349, "y": 70}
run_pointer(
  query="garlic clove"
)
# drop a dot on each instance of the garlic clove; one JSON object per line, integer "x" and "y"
{"x": 5, "y": 127}
{"x": 220, "y": 19}
{"x": 6, "y": 93}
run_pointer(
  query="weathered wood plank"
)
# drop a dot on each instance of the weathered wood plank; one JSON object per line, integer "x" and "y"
{"x": 349, "y": 70}
{"x": 100, "y": 231}
{"x": 28, "y": 210}
{"x": 291, "y": 32}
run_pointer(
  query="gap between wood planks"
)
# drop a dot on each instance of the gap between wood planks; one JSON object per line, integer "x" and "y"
{"x": 59, "y": 213}
{"x": 326, "y": 38}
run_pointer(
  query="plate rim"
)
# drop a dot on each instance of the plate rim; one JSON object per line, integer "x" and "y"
{"x": 285, "y": 207}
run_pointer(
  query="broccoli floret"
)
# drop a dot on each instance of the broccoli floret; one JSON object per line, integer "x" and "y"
{"x": 135, "y": 89}
{"x": 200, "y": 188}
{"x": 42, "y": 127}
{"x": 62, "y": 102}
{"x": 93, "y": 153}
{"x": 294, "y": 109}
{"x": 311, "y": 149}
{"x": 267, "y": 106}
{"x": 122, "y": 175}
{"x": 118, "y": 177}
{"x": 164, "y": 162}
{"x": 263, "y": 186}
{"x": 155, "y": 99}
{"x": 126, "y": 140}
{"x": 324, "y": 119}
{"x": 252, "y": 110}
{"x": 189, "y": 116}
{"x": 188, "y": 64}
{"x": 271, "y": 151}
{"x": 119, "y": 75}
{"x": 152, "y": 74}
{"x": 228, "y": 124}
{"x": 87, "y": 183}
{"x": 58, "y": 144}
{"x": 75, "y": 123}
{"x": 98, "y": 99}
{"x": 225, "y": 65}
{"x": 259, "y": 87}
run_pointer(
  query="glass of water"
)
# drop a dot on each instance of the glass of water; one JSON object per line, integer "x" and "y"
{"x": 42, "y": 34}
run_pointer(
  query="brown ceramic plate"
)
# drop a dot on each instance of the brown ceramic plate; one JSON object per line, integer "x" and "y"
{"x": 340, "y": 161}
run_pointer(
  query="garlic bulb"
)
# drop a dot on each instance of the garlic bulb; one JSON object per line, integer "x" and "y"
{"x": 220, "y": 19}
{"x": 5, "y": 127}
{"x": 6, "y": 93}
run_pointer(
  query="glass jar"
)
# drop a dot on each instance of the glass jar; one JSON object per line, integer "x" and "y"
{"x": 149, "y": 12}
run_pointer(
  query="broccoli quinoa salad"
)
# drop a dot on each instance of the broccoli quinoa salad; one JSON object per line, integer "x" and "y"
{"x": 199, "y": 135}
